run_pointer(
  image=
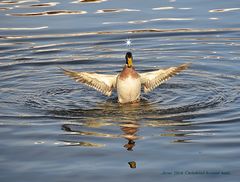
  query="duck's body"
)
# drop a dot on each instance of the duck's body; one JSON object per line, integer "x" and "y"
{"x": 127, "y": 83}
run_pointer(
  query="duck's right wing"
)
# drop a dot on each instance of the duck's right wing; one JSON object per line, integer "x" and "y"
{"x": 150, "y": 80}
{"x": 101, "y": 82}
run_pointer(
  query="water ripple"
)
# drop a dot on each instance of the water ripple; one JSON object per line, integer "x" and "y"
{"x": 50, "y": 13}
{"x": 130, "y": 31}
{"x": 163, "y": 8}
{"x": 40, "y": 5}
{"x": 223, "y": 10}
{"x": 151, "y": 20}
{"x": 17, "y": 1}
{"x": 115, "y": 10}
{"x": 89, "y": 1}
{"x": 5, "y": 8}
{"x": 22, "y": 28}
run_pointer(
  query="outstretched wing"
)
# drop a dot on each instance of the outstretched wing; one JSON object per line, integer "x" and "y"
{"x": 150, "y": 80}
{"x": 100, "y": 82}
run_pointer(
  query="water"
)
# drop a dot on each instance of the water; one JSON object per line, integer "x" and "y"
{"x": 53, "y": 129}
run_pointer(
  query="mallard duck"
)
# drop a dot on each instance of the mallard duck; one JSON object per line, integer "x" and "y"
{"x": 128, "y": 83}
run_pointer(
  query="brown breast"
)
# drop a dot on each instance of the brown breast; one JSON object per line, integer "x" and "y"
{"x": 127, "y": 72}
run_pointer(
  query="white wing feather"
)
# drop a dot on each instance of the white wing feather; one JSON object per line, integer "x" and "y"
{"x": 151, "y": 80}
{"x": 101, "y": 82}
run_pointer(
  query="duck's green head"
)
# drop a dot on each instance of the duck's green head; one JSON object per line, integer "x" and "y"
{"x": 129, "y": 59}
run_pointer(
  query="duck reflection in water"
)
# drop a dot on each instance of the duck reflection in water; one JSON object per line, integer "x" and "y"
{"x": 130, "y": 133}
{"x": 126, "y": 117}
{"x": 92, "y": 123}
{"x": 129, "y": 118}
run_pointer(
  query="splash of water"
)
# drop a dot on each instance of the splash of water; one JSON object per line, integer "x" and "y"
{"x": 128, "y": 42}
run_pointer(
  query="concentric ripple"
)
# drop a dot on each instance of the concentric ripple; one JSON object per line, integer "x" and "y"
{"x": 184, "y": 100}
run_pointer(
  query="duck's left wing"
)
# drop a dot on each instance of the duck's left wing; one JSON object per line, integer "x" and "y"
{"x": 101, "y": 82}
{"x": 150, "y": 80}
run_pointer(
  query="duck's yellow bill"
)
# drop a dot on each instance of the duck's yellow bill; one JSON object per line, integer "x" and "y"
{"x": 130, "y": 62}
